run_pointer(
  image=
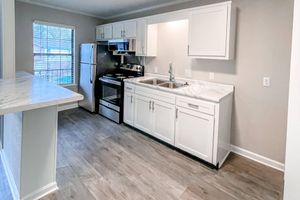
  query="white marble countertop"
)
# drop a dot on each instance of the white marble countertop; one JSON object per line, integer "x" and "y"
{"x": 204, "y": 90}
{"x": 26, "y": 92}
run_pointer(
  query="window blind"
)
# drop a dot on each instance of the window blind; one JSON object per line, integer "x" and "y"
{"x": 53, "y": 50}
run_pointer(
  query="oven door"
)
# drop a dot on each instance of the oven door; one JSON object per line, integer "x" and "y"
{"x": 111, "y": 94}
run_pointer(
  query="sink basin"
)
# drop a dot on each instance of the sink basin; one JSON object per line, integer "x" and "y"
{"x": 163, "y": 83}
{"x": 153, "y": 81}
{"x": 172, "y": 85}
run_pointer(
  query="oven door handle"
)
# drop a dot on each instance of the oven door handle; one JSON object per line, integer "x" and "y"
{"x": 110, "y": 81}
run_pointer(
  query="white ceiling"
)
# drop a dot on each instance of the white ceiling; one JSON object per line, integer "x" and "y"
{"x": 105, "y": 9}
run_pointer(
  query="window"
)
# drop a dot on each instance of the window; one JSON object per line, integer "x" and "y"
{"x": 53, "y": 50}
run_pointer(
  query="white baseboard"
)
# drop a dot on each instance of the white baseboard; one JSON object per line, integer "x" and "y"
{"x": 222, "y": 162}
{"x": 41, "y": 192}
{"x": 67, "y": 106}
{"x": 258, "y": 158}
{"x": 10, "y": 178}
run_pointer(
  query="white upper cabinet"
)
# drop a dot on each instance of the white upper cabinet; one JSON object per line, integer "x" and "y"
{"x": 99, "y": 33}
{"x": 211, "y": 32}
{"x": 141, "y": 37}
{"x": 124, "y": 30}
{"x": 146, "y": 39}
{"x": 107, "y": 31}
{"x": 104, "y": 32}
{"x": 130, "y": 29}
{"x": 118, "y": 29}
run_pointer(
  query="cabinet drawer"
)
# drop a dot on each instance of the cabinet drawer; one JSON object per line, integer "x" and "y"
{"x": 197, "y": 105}
{"x": 155, "y": 94}
{"x": 129, "y": 87}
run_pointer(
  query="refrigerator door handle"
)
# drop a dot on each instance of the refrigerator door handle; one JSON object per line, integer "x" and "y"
{"x": 92, "y": 74}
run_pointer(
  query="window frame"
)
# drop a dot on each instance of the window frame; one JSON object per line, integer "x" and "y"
{"x": 73, "y": 28}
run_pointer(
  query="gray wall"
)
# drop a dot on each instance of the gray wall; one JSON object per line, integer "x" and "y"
{"x": 27, "y": 13}
{"x": 263, "y": 48}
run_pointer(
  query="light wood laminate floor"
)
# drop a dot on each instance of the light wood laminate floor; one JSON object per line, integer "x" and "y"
{"x": 98, "y": 159}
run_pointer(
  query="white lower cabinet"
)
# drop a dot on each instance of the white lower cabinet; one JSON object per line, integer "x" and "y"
{"x": 129, "y": 108}
{"x": 199, "y": 127}
{"x": 195, "y": 133}
{"x": 143, "y": 114}
{"x": 155, "y": 118}
{"x": 163, "y": 121}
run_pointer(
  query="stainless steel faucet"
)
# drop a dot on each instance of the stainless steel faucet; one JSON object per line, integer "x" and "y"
{"x": 171, "y": 77}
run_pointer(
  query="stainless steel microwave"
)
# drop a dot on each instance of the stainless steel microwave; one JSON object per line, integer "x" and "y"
{"x": 122, "y": 45}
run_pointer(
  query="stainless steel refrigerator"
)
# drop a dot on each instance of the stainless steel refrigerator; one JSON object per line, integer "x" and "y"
{"x": 95, "y": 61}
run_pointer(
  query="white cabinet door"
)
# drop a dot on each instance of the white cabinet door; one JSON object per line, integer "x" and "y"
{"x": 194, "y": 133}
{"x": 99, "y": 33}
{"x": 107, "y": 31}
{"x": 143, "y": 117}
{"x": 164, "y": 121}
{"x": 146, "y": 39}
{"x": 118, "y": 29}
{"x": 130, "y": 29}
{"x": 141, "y": 38}
{"x": 208, "y": 32}
{"x": 128, "y": 108}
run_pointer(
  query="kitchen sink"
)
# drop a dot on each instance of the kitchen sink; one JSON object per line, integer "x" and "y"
{"x": 163, "y": 83}
{"x": 154, "y": 81}
{"x": 172, "y": 85}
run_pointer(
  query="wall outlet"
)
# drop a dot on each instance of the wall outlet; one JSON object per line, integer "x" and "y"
{"x": 211, "y": 76}
{"x": 266, "y": 81}
{"x": 155, "y": 70}
{"x": 188, "y": 73}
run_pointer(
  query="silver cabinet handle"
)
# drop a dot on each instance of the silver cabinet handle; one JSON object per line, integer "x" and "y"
{"x": 149, "y": 105}
{"x": 128, "y": 88}
{"x": 153, "y": 105}
{"x": 193, "y": 106}
{"x": 188, "y": 50}
{"x": 131, "y": 99}
{"x": 176, "y": 113}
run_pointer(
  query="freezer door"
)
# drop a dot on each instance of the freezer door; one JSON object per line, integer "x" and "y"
{"x": 88, "y": 53}
{"x": 87, "y": 86}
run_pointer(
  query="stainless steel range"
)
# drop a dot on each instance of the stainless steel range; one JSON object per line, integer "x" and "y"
{"x": 112, "y": 91}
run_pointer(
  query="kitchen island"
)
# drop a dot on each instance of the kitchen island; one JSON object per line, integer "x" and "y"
{"x": 29, "y": 105}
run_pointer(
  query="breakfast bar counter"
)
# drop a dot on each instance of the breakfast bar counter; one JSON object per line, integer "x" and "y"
{"x": 30, "y": 105}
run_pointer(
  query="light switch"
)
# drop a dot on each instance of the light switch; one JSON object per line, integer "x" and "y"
{"x": 155, "y": 70}
{"x": 266, "y": 81}
{"x": 211, "y": 76}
